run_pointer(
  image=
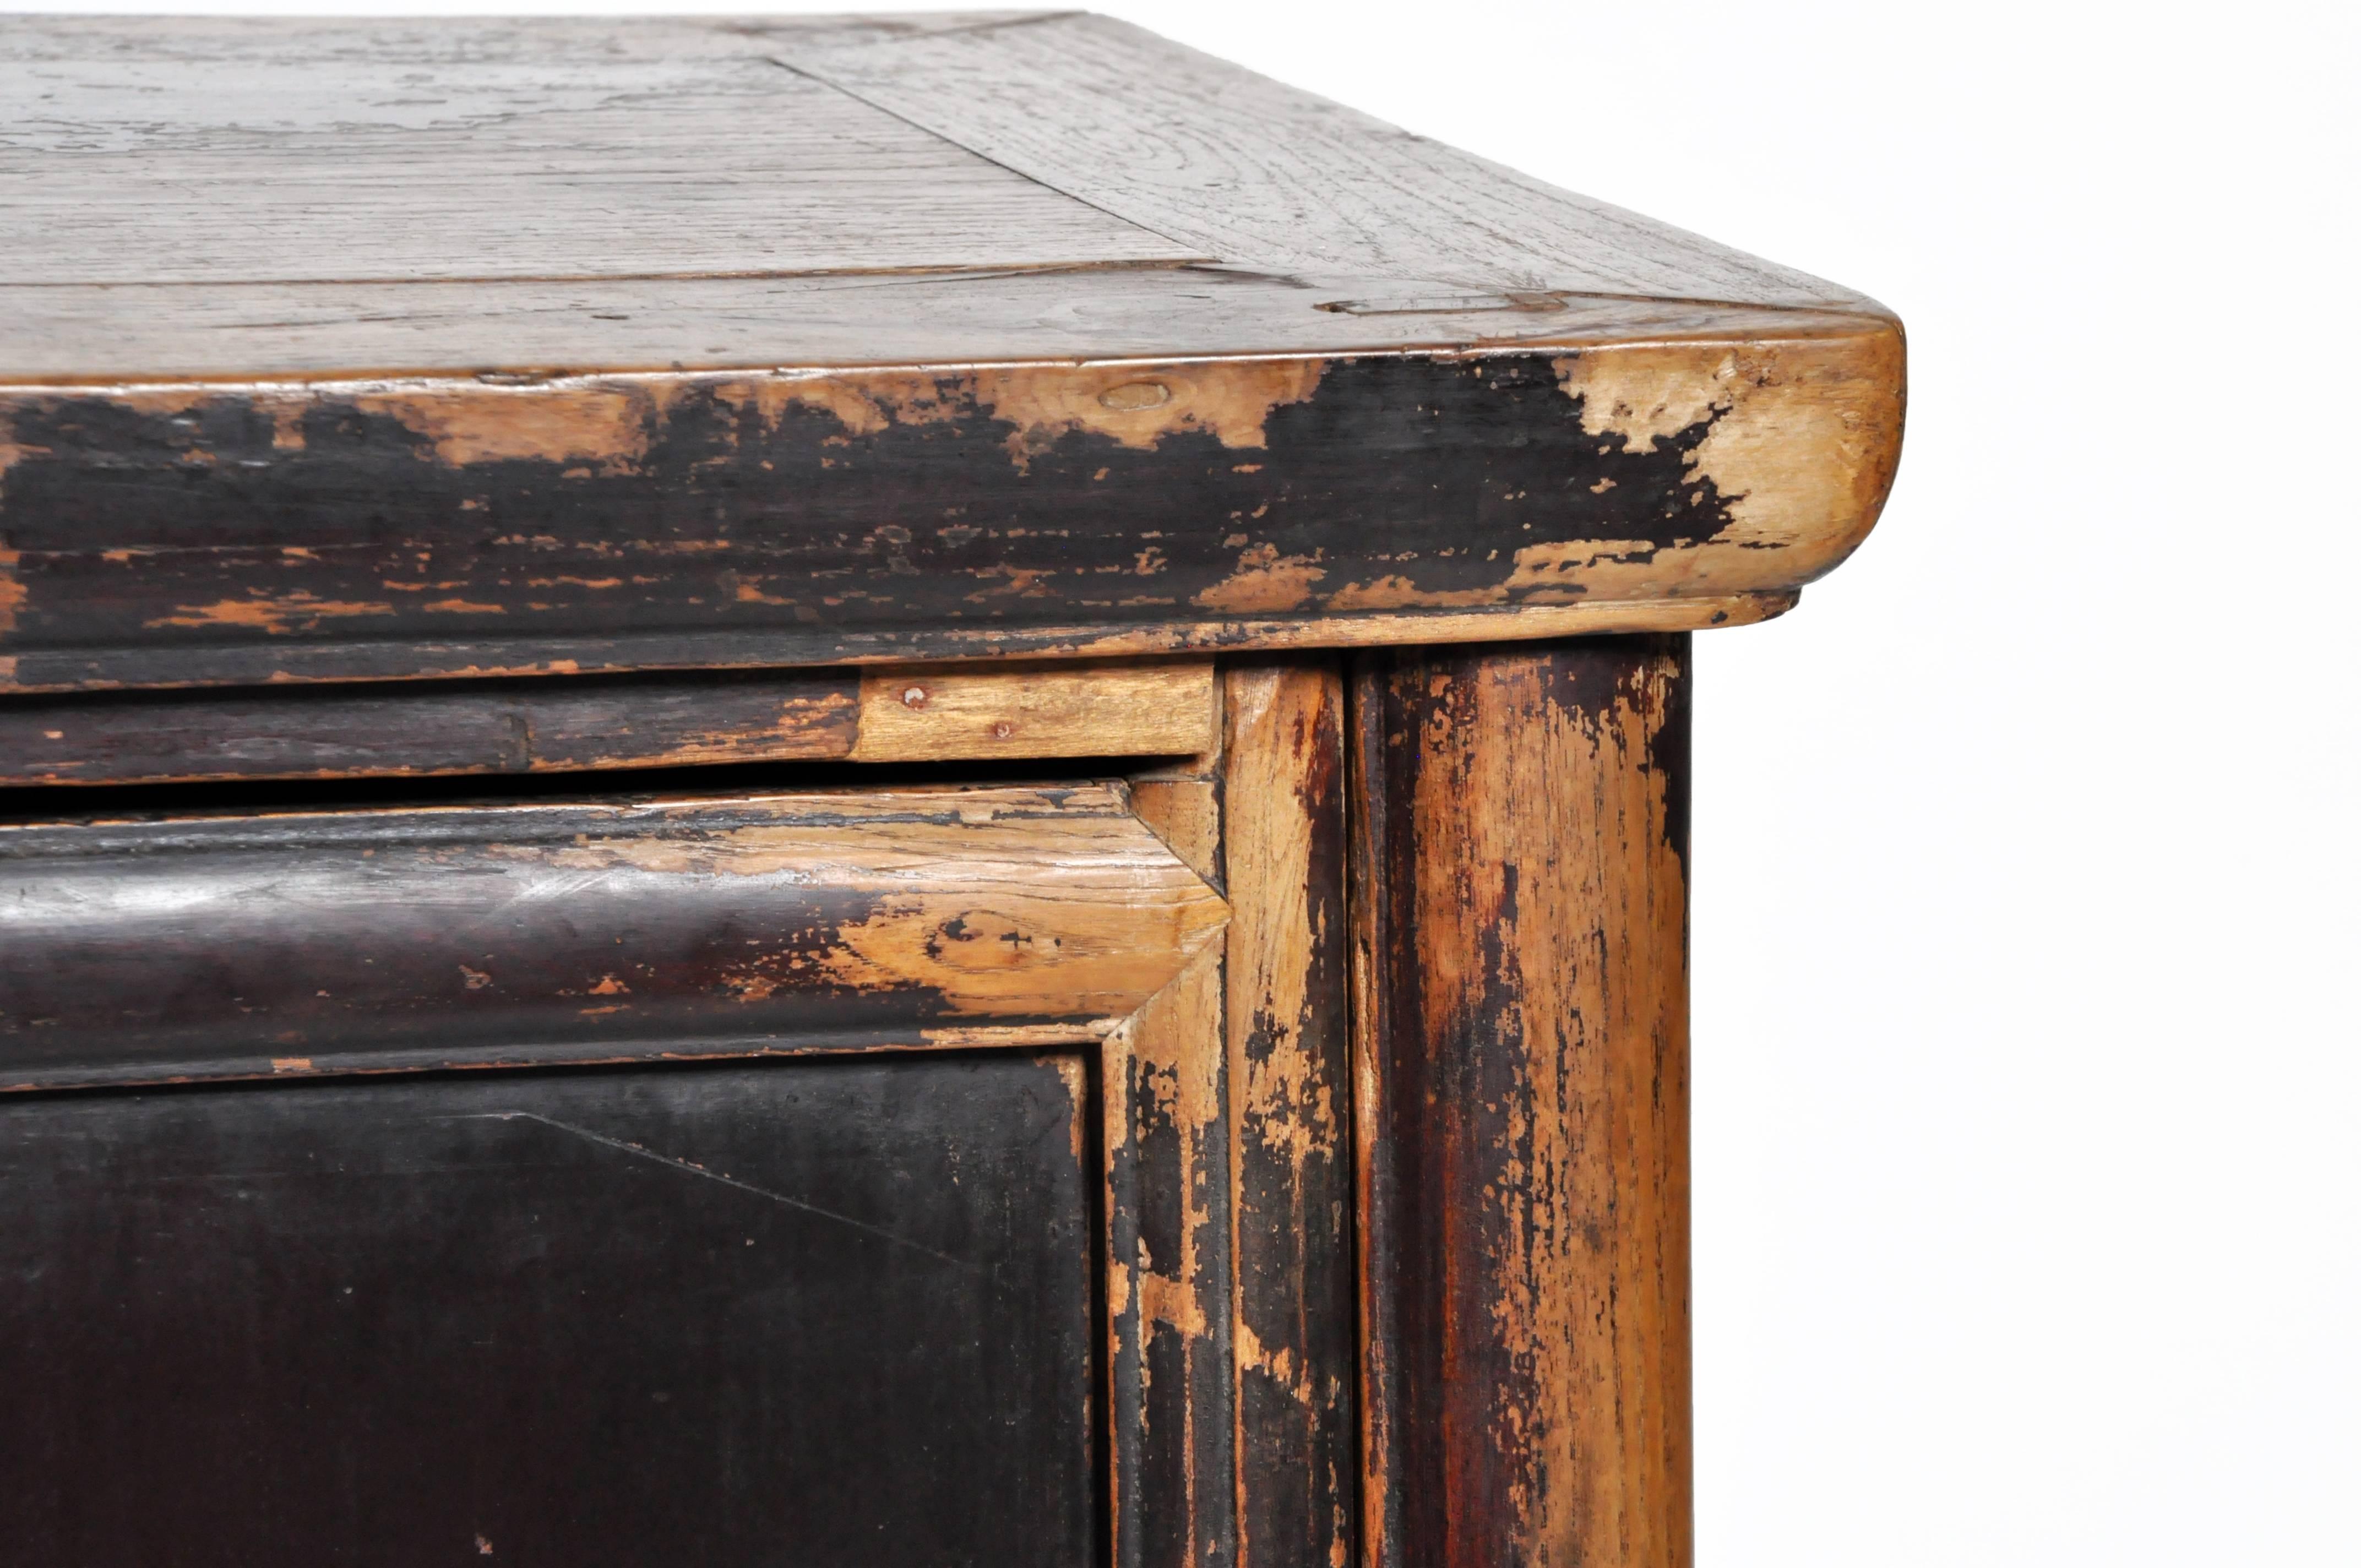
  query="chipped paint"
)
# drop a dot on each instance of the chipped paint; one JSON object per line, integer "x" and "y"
{"x": 1139, "y": 405}
{"x": 857, "y": 407}
{"x": 278, "y": 616}
{"x": 809, "y": 922}
{"x": 1074, "y": 1074}
{"x": 1800, "y": 437}
{"x": 606, "y": 424}
{"x": 1524, "y": 1100}
{"x": 608, "y": 421}
{"x": 1019, "y": 904}
{"x": 1397, "y": 592}
{"x": 1175, "y": 1303}
{"x": 1263, "y": 582}
{"x": 1281, "y": 1365}
{"x": 12, "y": 592}
{"x": 1170, "y": 1187}
{"x": 739, "y": 518}
{"x": 1535, "y": 620}
{"x": 1285, "y": 1036}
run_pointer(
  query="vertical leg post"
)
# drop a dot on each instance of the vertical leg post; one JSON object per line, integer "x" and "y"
{"x": 1290, "y": 1088}
{"x": 1519, "y": 922}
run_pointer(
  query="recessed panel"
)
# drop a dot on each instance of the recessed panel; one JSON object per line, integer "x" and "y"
{"x": 804, "y": 1313}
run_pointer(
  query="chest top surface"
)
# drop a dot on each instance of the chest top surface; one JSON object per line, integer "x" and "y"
{"x": 379, "y": 349}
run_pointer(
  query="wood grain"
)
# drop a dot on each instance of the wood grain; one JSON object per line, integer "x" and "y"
{"x": 1175, "y": 1471}
{"x": 109, "y": 336}
{"x": 1136, "y": 709}
{"x": 1269, "y": 178}
{"x": 228, "y": 946}
{"x": 1291, "y": 1094}
{"x": 445, "y": 727}
{"x": 203, "y": 150}
{"x": 1174, "y": 1477}
{"x": 1520, "y": 961}
{"x": 1075, "y": 710}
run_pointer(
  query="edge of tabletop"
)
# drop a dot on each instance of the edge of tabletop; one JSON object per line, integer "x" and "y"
{"x": 1662, "y": 325}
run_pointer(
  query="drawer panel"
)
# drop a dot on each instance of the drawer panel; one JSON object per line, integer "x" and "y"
{"x": 473, "y": 936}
{"x": 825, "y": 1311}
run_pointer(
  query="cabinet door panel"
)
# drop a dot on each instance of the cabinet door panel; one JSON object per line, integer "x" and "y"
{"x": 807, "y": 1312}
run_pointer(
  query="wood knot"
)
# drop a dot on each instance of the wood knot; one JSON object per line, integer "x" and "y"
{"x": 1132, "y": 395}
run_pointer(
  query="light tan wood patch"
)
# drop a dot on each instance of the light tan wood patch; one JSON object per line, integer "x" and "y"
{"x": 1140, "y": 404}
{"x": 1806, "y": 433}
{"x": 1006, "y": 902}
{"x": 1140, "y": 709}
{"x": 603, "y": 424}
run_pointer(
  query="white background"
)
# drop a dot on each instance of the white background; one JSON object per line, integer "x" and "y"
{"x": 2028, "y": 1080}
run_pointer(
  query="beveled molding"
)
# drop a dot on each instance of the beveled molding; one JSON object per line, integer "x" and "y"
{"x": 448, "y": 936}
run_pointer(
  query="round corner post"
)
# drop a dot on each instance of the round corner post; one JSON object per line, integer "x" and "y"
{"x": 1519, "y": 915}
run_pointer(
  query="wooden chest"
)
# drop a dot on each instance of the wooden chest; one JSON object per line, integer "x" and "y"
{"x": 897, "y": 791}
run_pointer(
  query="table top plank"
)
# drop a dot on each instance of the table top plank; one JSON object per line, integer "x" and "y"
{"x": 471, "y": 150}
{"x": 1270, "y": 178}
{"x": 369, "y": 350}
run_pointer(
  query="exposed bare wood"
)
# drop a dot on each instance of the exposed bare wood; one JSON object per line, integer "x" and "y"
{"x": 109, "y": 336}
{"x": 1175, "y": 1468}
{"x": 1266, "y": 177}
{"x": 194, "y": 151}
{"x": 1168, "y": 1137}
{"x": 1137, "y": 710}
{"x": 1290, "y": 1147}
{"x": 1180, "y": 801}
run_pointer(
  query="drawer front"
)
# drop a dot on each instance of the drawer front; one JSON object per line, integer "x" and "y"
{"x": 649, "y": 1289}
{"x": 432, "y": 938}
{"x": 823, "y": 1312}
{"x": 968, "y": 1174}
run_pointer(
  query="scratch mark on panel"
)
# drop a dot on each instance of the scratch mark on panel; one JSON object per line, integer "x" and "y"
{"x": 692, "y": 1167}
